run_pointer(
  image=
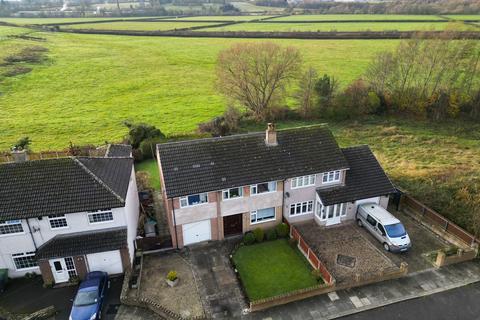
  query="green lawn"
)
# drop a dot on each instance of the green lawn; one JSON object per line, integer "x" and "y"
{"x": 366, "y": 17}
{"x": 137, "y": 26}
{"x": 91, "y": 83}
{"x": 343, "y": 26}
{"x": 272, "y": 268}
{"x": 151, "y": 167}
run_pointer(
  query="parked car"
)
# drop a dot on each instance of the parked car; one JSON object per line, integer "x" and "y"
{"x": 88, "y": 302}
{"x": 383, "y": 226}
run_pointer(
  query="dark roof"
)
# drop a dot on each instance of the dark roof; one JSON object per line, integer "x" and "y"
{"x": 118, "y": 150}
{"x": 365, "y": 179}
{"x": 59, "y": 186}
{"x": 203, "y": 165}
{"x": 80, "y": 243}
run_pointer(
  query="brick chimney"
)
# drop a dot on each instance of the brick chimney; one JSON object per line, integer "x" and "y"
{"x": 19, "y": 155}
{"x": 271, "y": 135}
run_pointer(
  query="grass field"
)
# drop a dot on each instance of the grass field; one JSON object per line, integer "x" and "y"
{"x": 226, "y": 18}
{"x": 366, "y": 17}
{"x": 27, "y": 21}
{"x": 464, "y": 17}
{"x": 96, "y": 82}
{"x": 287, "y": 269}
{"x": 361, "y": 26}
{"x": 138, "y": 26}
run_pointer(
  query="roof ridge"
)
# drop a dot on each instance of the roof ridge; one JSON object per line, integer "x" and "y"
{"x": 100, "y": 181}
{"x": 242, "y": 135}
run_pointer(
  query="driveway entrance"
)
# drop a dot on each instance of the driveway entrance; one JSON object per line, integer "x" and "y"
{"x": 232, "y": 225}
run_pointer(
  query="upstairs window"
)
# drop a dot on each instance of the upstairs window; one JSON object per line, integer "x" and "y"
{"x": 232, "y": 193}
{"x": 58, "y": 221}
{"x": 100, "y": 217}
{"x": 193, "y": 200}
{"x": 304, "y": 181}
{"x": 263, "y": 187}
{"x": 10, "y": 227}
{"x": 332, "y": 176}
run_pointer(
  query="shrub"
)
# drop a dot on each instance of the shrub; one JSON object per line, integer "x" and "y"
{"x": 147, "y": 147}
{"x": 248, "y": 238}
{"x": 49, "y": 284}
{"x": 74, "y": 280}
{"x": 282, "y": 230}
{"x": 271, "y": 234}
{"x": 22, "y": 144}
{"x": 143, "y": 180}
{"x": 223, "y": 125}
{"x": 317, "y": 274}
{"x": 172, "y": 275}
{"x": 293, "y": 242}
{"x": 259, "y": 234}
{"x": 138, "y": 132}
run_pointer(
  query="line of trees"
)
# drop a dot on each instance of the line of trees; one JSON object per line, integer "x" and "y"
{"x": 436, "y": 79}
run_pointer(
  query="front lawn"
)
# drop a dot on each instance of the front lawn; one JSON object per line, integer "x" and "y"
{"x": 272, "y": 268}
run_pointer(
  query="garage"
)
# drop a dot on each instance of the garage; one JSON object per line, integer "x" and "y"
{"x": 108, "y": 261}
{"x": 196, "y": 232}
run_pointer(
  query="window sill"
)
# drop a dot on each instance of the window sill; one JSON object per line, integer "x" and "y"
{"x": 100, "y": 222}
{"x": 60, "y": 228}
{"x": 300, "y": 214}
{"x": 263, "y": 193}
{"x": 27, "y": 269}
{"x": 194, "y": 205}
{"x": 230, "y": 199}
{"x": 263, "y": 221}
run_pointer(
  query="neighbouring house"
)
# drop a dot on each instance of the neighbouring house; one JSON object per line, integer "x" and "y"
{"x": 65, "y": 217}
{"x": 218, "y": 187}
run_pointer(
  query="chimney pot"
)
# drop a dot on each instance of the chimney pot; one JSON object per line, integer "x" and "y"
{"x": 271, "y": 135}
{"x": 19, "y": 155}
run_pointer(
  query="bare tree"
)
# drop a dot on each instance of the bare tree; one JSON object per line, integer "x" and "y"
{"x": 306, "y": 94}
{"x": 257, "y": 74}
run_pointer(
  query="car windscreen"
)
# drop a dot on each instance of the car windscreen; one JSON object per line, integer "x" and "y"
{"x": 85, "y": 298}
{"x": 395, "y": 230}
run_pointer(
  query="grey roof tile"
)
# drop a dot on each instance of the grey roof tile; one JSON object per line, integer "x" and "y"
{"x": 203, "y": 165}
{"x": 365, "y": 179}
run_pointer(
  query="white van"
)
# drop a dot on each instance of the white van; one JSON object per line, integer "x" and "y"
{"x": 383, "y": 226}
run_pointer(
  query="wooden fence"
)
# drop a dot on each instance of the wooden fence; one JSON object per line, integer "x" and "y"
{"x": 438, "y": 220}
{"x": 311, "y": 256}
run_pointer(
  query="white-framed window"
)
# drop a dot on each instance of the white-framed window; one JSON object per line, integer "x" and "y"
{"x": 265, "y": 187}
{"x": 72, "y": 272}
{"x": 301, "y": 208}
{"x": 262, "y": 215}
{"x": 329, "y": 212}
{"x": 193, "y": 200}
{"x": 11, "y": 227}
{"x": 100, "y": 217}
{"x": 58, "y": 221}
{"x": 332, "y": 176}
{"x": 232, "y": 193}
{"x": 24, "y": 260}
{"x": 304, "y": 181}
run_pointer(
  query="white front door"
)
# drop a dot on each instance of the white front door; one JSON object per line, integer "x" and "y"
{"x": 59, "y": 270}
{"x": 196, "y": 232}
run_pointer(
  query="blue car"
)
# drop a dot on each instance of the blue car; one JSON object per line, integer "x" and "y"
{"x": 88, "y": 302}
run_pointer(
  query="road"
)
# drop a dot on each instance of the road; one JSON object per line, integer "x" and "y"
{"x": 457, "y": 304}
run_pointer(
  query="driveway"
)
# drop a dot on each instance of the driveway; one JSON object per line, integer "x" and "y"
{"x": 219, "y": 288}
{"x": 24, "y": 296}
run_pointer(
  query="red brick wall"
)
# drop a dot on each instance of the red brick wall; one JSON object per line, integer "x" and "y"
{"x": 214, "y": 228}
{"x": 46, "y": 271}
{"x": 125, "y": 259}
{"x": 80, "y": 266}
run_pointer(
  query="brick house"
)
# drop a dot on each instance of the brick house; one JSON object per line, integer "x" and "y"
{"x": 218, "y": 187}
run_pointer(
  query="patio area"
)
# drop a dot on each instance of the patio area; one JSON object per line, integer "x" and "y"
{"x": 345, "y": 251}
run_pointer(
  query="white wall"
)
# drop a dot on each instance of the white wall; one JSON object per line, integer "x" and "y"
{"x": 16, "y": 243}
{"x": 131, "y": 212}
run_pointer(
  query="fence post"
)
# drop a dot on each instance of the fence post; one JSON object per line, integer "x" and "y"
{"x": 446, "y": 225}
{"x": 423, "y": 210}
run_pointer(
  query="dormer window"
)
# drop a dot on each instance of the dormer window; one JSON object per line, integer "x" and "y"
{"x": 330, "y": 177}
{"x": 193, "y": 200}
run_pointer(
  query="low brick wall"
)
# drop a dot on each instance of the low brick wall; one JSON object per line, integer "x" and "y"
{"x": 461, "y": 256}
{"x": 311, "y": 256}
{"x": 41, "y": 314}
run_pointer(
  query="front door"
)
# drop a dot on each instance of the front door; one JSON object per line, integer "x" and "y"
{"x": 232, "y": 225}
{"x": 59, "y": 270}
{"x": 335, "y": 212}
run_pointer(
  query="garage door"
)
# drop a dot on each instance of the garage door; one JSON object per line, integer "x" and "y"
{"x": 196, "y": 232}
{"x": 109, "y": 261}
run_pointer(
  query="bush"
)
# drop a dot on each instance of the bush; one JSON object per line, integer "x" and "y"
{"x": 259, "y": 234}
{"x": 293, "y": 242}
{"x": 138, "y": 132}
{"x": 224, "y": 125}
{"x": 172, "y": 275}
{"x": 248, "y": 238}
{"x": 271, "y": 234}
{"x": 147, "y": 147}
{"x": 317, "y": 274}
{"x": 49, "y": 284}
{"x": 143, "y": 180}
{"x": 22, "y": 144}
{"x": 282, "y": 230}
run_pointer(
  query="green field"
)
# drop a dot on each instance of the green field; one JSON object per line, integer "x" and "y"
{"x": 366, "y": 17}
{"x": 91, "y": 83}
{"x": 347, "y": 26}
{"x": 12, "y": 31}
{"x": 225, "y": 18}
{"x": 250, "y": 7}
{"x": 138, "y": 26}
{"x": 464, "y": 17}
{"x": 27, "y": 21}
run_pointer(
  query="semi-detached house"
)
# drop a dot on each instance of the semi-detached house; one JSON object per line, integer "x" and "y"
{"x": 65, "y": 217}
{"x": 218, "y": 187}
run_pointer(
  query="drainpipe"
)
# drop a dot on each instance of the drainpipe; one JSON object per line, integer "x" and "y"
{"x": 175, "y": 224}
{"x": 283, "y": 200}
{"x": 31, "y": 235}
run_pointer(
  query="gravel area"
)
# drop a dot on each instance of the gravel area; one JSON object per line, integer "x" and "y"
{"x": 345, "y": 240}
{"x": 182, "y": 299}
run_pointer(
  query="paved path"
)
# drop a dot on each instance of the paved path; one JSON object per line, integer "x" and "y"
{"x": 351, "y": 301}
{"x": 456, "y": 304}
